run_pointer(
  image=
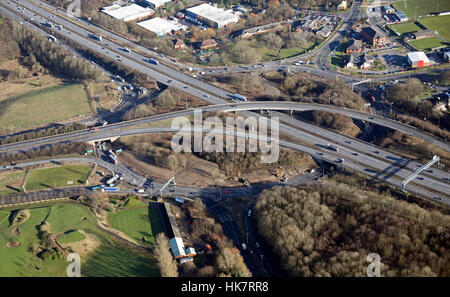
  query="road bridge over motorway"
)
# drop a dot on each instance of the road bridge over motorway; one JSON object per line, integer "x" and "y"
{"x": 229, "y": 107}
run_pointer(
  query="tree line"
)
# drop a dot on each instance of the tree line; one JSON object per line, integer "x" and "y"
{"x": 44, "y": 132}
{"x": 329, "y": 229}
{"x": 59, "y": 149}
{"x": 43, "y": 53}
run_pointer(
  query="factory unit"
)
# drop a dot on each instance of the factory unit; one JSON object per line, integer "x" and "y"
{"x": 156, "y": 3}
{"x": 128, "y": 13}
{"x": 162, "y": 27}
{"x": 417, "y": 59}
{"x": 212, "y": 16}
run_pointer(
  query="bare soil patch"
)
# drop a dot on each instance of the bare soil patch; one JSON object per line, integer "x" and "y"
{"x": 11, "y": 244}
{"x": 85, "y": 246}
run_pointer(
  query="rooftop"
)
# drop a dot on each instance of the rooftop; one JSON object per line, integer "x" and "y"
{"x": 157, "y": 3}
{"x": 160, "y": 26}
{"x": 417, "y": 56}
{"x": 214, "y": 14}
{"x": 129, "y": 12}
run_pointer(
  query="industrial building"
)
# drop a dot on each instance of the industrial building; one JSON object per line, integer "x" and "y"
{"x": 388, "y": 9}
{"x": 212, "y": 16}
{"x": 401, "y": 16}
{"x": 422, "y": 34}
{"x": 179, "y": 251}
{"x": 128, "y": 13}
{"x": 162, "y": 27}
{"x": 156, "y": 3}
{"x": 417, "y": 59}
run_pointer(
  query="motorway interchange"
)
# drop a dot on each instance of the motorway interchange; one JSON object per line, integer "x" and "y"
{"x": 215, "y": 95}
{"x": 358, "y": 155}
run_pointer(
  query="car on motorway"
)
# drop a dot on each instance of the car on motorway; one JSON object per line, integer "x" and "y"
{"x": 340, "y": 160}
{"x": 257, "y": 244}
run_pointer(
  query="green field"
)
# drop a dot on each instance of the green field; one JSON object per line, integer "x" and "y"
{"x": 423, "y": 7}
{"x": 70, "y": 236}
{"x": 438, "y": 23}
{"x": 427, "y": 43}
{"x": 405, "y": 28}
{"x": 138, "y": 222}
{"x": 44, "y": 106}
{"x": 270, "y": 55}
{"x": 10, "y": 182}
{"x": 57, "y": 177}
{"x": 107, "y": 260}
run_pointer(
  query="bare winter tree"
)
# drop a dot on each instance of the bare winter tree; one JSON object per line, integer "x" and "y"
{"x": 166, "y": 263}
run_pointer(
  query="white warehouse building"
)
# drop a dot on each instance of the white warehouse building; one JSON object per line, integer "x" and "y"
{"x": 212, "y": 16}
{"x": 127, "y": 13}
{"x": 156, "y": 3}
{"x": 162, "y": 27}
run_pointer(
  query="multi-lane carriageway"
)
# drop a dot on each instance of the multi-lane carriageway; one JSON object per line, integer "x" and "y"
{"x": 178, "y": 79}
{"x": 432, "y": 184}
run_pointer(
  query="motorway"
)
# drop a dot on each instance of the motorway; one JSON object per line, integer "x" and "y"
{"x": 358, "y": 154}
{"x": 387, "y": 165}
{"x": 379, "y": 164}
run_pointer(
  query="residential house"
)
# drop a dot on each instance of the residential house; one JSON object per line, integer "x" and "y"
{"x": 351, "y": 63}
{"x": 354, "y": 47}
{"x": 179, "y": 44}
{"x": 208, "y": 44}
{"x": 342, "y": 6}
{"x": 324, "y": 32}
{"x": 367, "y": 62}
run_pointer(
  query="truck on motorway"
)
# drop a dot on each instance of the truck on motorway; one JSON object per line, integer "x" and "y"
{"x": 249, "y": 212}
{"x": 180, "y": 200}
{"x": 153, "y": 61}
{"x": 244, "y": 246}
{"x": 239, "y": 97}
{"x": 96, "y": 37}
{"x": 113, "y": 158}
{"x": 110, "y": 189}
{"x": 332, "y": 147}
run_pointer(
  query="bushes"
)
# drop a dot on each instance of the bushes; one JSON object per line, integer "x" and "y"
{"x": 329, "y": 229}
{"x": 59, "y": 60}
{"x": 47, "y": 151}
{"x": 41, "y": 133}
{"x": 335, "y": 121}
{"x": 166, "y": 263}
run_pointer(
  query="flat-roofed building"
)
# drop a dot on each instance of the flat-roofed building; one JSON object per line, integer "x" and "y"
{"x": 417, "y": 59}
{"x": 212, "y": 16}
{"x": 128, "y": 13}
{"x": 162, "y": 27}
{"x": 422, "y": 34}
{"x": 401, "y": 16}
{"x": 156, "y": 3}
